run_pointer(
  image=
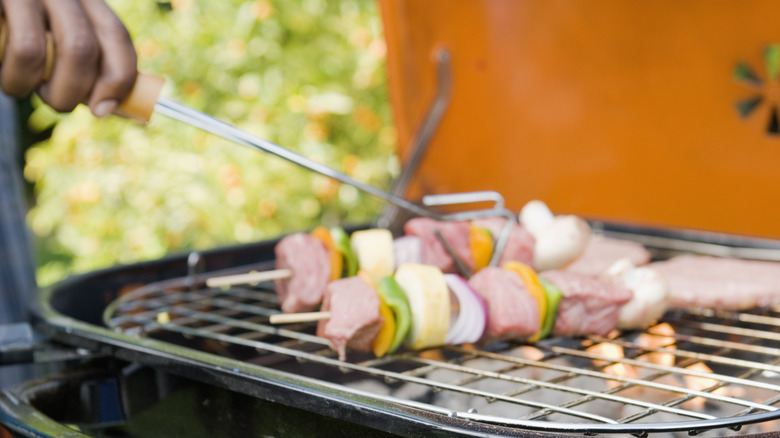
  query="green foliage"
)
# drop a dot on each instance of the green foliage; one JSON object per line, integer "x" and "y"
{"x": 305, "y": 74}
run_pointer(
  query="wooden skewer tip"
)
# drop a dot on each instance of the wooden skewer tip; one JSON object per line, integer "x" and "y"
{"x": 249, "y": 278}
{"x": 287, "y": 318}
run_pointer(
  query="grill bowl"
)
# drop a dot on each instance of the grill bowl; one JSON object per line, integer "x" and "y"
{"x": 302, "y": 374}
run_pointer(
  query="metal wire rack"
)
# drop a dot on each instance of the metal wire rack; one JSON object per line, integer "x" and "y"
{"x": 694, "y": 371}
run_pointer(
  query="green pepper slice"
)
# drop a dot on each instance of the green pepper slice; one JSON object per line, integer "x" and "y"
{"x": 341, "y": 240}
{"x": 553, "y": 297}
{"x": 395, "y": 298}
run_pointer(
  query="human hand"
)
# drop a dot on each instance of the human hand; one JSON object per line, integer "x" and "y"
{"x": 94, "y": 59}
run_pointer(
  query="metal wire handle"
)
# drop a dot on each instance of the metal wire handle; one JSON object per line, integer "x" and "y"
{"x": 210, "y": 124}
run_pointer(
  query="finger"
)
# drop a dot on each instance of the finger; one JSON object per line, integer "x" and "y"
{"x": 76, "y": 55}
{"x": 24, "y": 60}
{"x": 118, "y": 62}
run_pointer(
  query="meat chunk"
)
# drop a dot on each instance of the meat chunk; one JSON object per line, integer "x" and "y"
{"x": 355, "y": 320}
{"x": 512, "y": 311}
{"x": 520, "y": 245}
{"x": 602, "y": 252}
{"x": 308, "y": 259}
{"x": 433, "y": 252}
{"x": 720, "y": 283}
{"x": 588, "y": 305}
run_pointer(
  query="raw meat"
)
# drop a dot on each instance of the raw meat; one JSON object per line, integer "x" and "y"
{"x": 602, "y": 252}
{"x": 588, "y": 306}
{"x": 721, "y": 283}
{"x": 355, "y": 320}
{"x": 512, "y": 311}
{"x": 308, "y": 259}
{"x": 433, "y": 252}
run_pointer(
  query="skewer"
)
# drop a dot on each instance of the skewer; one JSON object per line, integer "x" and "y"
{"x": 287, "y": 318}
{"x": 460, "y": 265}
{"x": 249, "y": 277}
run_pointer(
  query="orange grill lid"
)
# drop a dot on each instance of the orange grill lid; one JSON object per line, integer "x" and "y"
{"x": 660, "y": 113}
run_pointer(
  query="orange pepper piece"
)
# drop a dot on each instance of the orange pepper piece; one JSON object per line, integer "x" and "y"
{"x": 323, "y": 235}
{"x": 534, "y": 287}
{"x": 480, "y": 245}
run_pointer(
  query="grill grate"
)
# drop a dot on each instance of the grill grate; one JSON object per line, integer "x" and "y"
{"x": 694, "y": 371}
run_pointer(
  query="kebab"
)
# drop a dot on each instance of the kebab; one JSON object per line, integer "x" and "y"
{"x": 413, "y": 305}
{"x": 512, "y": 302}
{"x": 373, "y": 249}
{"x": 374, "y": 305}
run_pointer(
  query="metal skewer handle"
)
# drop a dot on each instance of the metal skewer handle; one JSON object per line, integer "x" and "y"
{"x": 210, "y": 124}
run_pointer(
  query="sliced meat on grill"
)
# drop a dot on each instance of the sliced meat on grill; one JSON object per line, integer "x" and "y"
{"x": 720, "y": 283}
{"x": 519, "y": 247}
{"x": 602, "y": 252}
{"x": 588, "y": 306}
{"x": 407, "y": 249}
{"x": 512, "y": 311}
{"x": 355, "y": 320}
{"x": 433, "y": 252}
{"x": 308, "y": 259}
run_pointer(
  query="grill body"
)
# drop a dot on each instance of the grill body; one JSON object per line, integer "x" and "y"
{"x": 115, "y": 398}
{"x": 294, "y": 376}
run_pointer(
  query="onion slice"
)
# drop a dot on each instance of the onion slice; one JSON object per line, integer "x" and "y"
{"x": 407, "y": 249}
{"x": 470, "y": 323}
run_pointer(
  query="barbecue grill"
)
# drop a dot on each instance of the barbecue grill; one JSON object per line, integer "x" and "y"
{"x": 155, "y": 352}
{"x": 172, "y": 343}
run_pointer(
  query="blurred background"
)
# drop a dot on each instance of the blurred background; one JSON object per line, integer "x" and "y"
{"x": 306, "y": 74}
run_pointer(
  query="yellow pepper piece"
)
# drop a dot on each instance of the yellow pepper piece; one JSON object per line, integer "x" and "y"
{"x": 323, "y": 235}
{"x": 480, "y": 245}
{"x": 534, "y": 287}
{"x": 384, "y": 339}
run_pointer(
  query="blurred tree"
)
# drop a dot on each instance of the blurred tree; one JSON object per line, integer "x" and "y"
{"x": 306, "y": 74}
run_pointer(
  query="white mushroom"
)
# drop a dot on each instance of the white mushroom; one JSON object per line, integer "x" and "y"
{"x": 559, "y": 239}
{"x": 651, "y": 294}
{"x": 535, "y": 216}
